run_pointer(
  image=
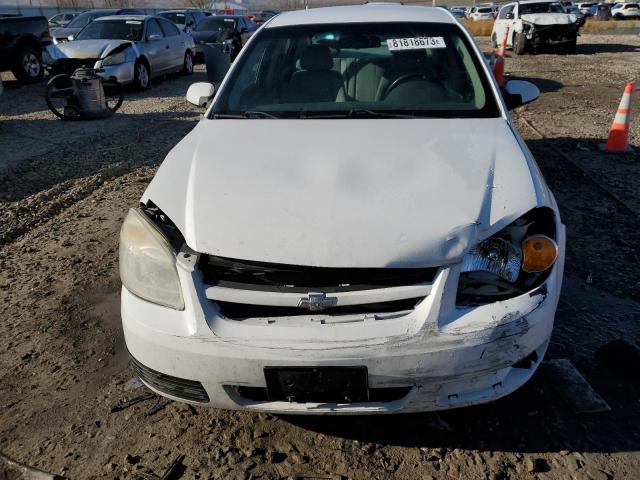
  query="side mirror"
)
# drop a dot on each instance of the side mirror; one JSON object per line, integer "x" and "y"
{"x": 71, "y": 37}
{"x": 509, "y": 16}
{"x": 519, "y": 92}
{"x": 154, "y": 37}
{"x": 200, "y": 93}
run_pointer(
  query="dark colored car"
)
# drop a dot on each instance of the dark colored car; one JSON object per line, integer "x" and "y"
{"x": 21, "y": 42}
{"x": 61, "y": 34}
{"x": 600, "y": 12}
{"x": 185, "y": 19}
{"x": 233, "y": 30}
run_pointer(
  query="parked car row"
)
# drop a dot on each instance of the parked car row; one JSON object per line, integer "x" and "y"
{"x": 124, "y": 44}
{"x": 582, "y": 10}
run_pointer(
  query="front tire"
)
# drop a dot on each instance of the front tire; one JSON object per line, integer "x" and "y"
{"x": 519, "y": 43}
{"x": 494, "y": 41}
{"x": 142, "y": 76}
{"x": 28, "y": 65}
{"x": 187, "y": 67}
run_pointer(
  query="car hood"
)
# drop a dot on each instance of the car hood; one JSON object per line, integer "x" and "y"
{"x": 88, "y": 48}
{"x": 64, "y": 32}
{"x": 550, "y": 18}
{"x": 346, "y": 193}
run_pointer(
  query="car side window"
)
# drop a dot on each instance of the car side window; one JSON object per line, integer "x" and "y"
{"x": 153, "y": 28}
{"x": 505, "y": 11}
{"x": 169, "y": 29}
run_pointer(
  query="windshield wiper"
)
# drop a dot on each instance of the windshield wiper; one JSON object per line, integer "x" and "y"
{"x": 247, "y": 114}
{"x": 355, "y": 113}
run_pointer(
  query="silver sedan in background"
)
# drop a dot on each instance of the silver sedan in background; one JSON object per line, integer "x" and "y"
{"x": 130, "y": 48}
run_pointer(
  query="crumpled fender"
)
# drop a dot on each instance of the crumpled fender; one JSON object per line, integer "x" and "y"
{"x": 518, "y": 26}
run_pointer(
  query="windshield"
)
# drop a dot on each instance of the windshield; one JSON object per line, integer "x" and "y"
{"x": 177, "y": 18}
{"x": 213, "y": 24}
{"x": 545, "y": 7}
{"x": 484, "y": 10}
{"x": 360, "y": 69}
{"x": 112, "y": 30}
{"x": 84, "y": 18}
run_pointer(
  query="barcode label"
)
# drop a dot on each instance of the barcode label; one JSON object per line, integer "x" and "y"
{"x": 417, "y": 43}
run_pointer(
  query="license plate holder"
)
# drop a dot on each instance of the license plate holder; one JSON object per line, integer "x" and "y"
{"x": 317, "y": 384}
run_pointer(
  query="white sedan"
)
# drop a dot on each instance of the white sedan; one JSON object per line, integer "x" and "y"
{"x": 390, "y": 247}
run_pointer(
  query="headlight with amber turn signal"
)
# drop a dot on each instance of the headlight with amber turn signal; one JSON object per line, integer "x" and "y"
{"x": 511, "y": 262}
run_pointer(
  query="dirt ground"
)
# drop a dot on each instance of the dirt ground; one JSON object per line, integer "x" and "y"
{"x": 64, "y": 190}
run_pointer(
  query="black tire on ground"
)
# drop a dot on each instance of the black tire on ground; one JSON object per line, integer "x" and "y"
{"x": 28, "y": 65}
{"x": 187, "y": 66}
{"x": 519, "y": 43}
{"x": 142, "y": 76}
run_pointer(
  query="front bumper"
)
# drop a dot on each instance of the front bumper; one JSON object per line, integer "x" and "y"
{"x": 448, "y": 357}
{"x": 123, "y": 72}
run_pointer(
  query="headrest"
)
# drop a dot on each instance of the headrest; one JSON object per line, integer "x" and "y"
{"x": 316, "y": 57}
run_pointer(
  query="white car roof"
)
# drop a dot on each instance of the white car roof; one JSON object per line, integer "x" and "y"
{"x": 362, "y": 14}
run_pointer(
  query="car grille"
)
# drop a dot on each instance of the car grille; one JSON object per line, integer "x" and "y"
{"x": 177, "y": 387}
{"x": 246, "y": 289}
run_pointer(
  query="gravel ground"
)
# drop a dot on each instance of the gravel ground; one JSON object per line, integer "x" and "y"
{"x": 64, "y": 190}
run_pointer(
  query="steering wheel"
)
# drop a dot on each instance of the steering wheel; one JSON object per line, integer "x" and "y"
{"x": 405, "y": 78}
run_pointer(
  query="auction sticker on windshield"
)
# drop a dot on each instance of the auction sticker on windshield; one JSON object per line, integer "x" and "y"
{"x": 417, "y": 43}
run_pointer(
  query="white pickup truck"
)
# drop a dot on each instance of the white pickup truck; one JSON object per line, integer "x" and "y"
{"x": 533, "y": 23}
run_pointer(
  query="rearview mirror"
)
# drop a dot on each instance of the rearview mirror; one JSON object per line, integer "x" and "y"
{"x": 519, "y": 92}
{"x": 154, "y": 37}
{"x": 200, "y": 93}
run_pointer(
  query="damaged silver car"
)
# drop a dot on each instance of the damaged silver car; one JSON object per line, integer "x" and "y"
{"x": 129, "y": 48}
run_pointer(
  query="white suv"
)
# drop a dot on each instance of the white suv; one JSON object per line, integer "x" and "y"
{"x": 625, "y": 10}
{"x": 389, "y": 246}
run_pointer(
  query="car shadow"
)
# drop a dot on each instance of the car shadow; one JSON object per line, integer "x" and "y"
{"x": 596, "y": 48}
{"x": 545, "y": 85}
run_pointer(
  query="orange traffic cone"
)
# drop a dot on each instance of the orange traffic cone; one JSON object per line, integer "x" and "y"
{"x": 618, "y": 141}
{"x": 498, "y": 64}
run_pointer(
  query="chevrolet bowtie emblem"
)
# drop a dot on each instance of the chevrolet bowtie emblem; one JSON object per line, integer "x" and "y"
{"x": 316, "y": 302}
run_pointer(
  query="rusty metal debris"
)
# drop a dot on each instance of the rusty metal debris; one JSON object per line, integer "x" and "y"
{"x": 122, "y": 404}
{"x": 160, "y": 404}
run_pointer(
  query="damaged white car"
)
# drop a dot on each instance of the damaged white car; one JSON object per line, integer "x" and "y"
{"x": 531, "y": 24}
{"x": 390, "y": 246}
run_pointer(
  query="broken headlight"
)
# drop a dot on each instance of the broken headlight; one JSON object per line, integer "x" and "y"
{"x": 148, "y": 262}
{"x": 510, "y": 263}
